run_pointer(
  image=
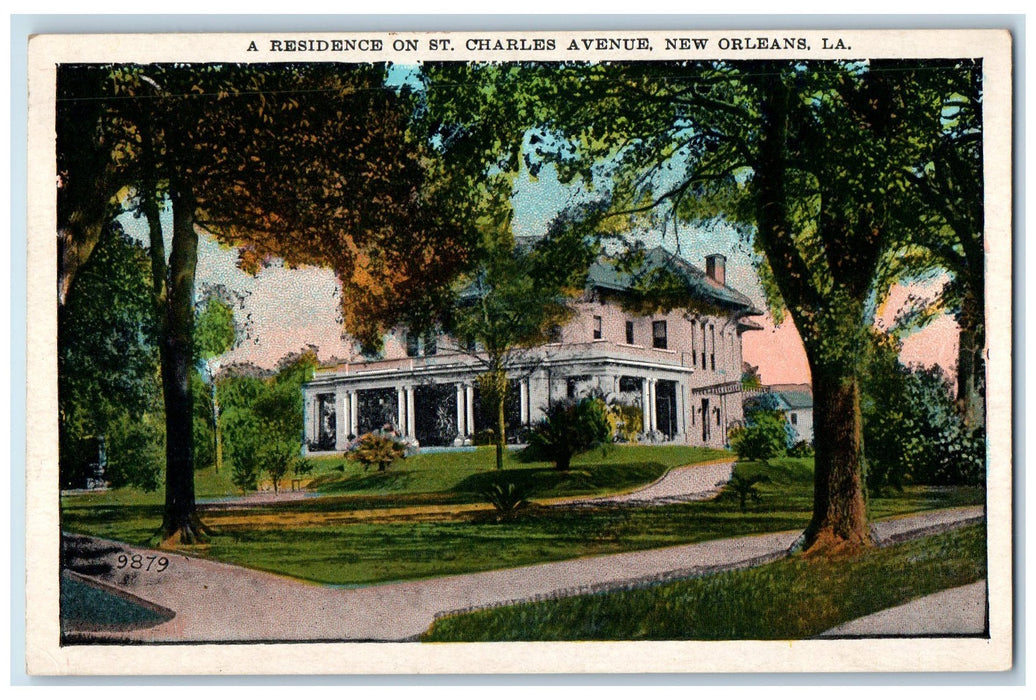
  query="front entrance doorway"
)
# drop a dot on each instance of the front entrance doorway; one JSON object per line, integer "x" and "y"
{"x": 665, "y": 408}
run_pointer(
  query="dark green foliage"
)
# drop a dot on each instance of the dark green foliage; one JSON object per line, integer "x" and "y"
{"x": 801, "y": 448}
{"x": 569, "y": 428}
{"x": 764, "y": 436}
{"x": 108, "y": 366}
{"x": 262, "y": 422}
{"x": 507, "y": 495}
{"x": 913, "y": 432}
{"x": 204, "y": 434}
{"x": 377, "y": 450}
{"x": 742, "y": 488}
{"x": 136, "y": 451}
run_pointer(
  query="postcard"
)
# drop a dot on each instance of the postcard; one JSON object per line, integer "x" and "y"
{"x": 442, "y": 352}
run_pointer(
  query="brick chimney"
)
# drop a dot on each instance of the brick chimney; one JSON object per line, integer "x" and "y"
{"x": 716, "y": 268}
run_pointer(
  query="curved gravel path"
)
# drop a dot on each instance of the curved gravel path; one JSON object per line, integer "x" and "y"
{"x": 695, "y": 482}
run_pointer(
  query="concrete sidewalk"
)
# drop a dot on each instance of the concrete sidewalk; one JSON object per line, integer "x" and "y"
{"x": 957, "y": 611}
{"x": 220, "y": 602}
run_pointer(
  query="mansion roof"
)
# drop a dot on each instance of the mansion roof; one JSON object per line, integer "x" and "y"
{"x": 604, "y": 274}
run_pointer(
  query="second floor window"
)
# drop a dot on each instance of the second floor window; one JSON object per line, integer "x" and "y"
{"x": 598, "y": 329}
{"x": 659, "y": 337}
{"x": 629, "y": 332}
{"x": 712, "y": 355}
{"x": 421, "y": 345}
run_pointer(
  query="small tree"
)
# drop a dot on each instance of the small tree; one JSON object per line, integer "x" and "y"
{"x": 378, "y": 450}
{"x": 570, "y": 427}
{"x": 515, "y": 298}
{"x": 215, "y": 332}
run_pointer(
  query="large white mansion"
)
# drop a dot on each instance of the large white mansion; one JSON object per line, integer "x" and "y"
{"x": 682, "y": 369}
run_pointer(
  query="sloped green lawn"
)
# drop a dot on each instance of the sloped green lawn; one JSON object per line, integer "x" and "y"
{"x": 794, "y": 598}
{"x": 365, "y": 552}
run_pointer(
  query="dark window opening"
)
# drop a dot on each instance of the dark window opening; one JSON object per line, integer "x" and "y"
{"x": 554, "y": 334}
{"x": 629, "y": 332}
{"x": 419, "y": 345}
{"x": 629, "y": 385}
{"x": 659, "y": 337}
{"x": 412, "y": 344}
{"x": 598, "y": 328}
{"x": 694, "y": 345}
{"x": 794, "y": 419}
{"x": 431, "y": 343}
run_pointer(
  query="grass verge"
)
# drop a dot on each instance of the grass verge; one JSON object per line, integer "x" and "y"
{"x": 794, "y": 598}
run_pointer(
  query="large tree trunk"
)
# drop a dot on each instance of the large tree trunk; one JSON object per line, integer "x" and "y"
{"x": 971, "y": 364}
{"x": 839, "y": 522}
{"x": 180, "y": 523}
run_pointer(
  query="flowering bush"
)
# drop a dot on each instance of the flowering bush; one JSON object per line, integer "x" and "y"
{"x": 377, "y": 449}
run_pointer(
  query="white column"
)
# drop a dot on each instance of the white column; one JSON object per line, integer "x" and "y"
{"x": 307, "y": 426}
{"x": 654, "y": 408}
{"x": 460, "y": 415}
{"x": 681, "y": 420}
{"x": 400, "y": 409}
{"x": 469, "y": 410}
{"x": 314, "y": 419}
{"x": 523, "y": 396}
{"x": 341, "y": 420}
{"x": 645, "y": 400}
{"x": 354, "y": 413}
{"x": 411, "y": 426}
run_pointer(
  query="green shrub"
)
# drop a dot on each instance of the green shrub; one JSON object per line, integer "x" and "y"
{"x": 136, "y": 451}
{"x": 569, "y": 428}
{"x": 913, "y": 433}
{"x": 802, "y": 448}
{"x": 375, "y": 449}
{"x": 743, "y": 488}
{"x": 507, "y": 496}
{"x": 764, "y": 436}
